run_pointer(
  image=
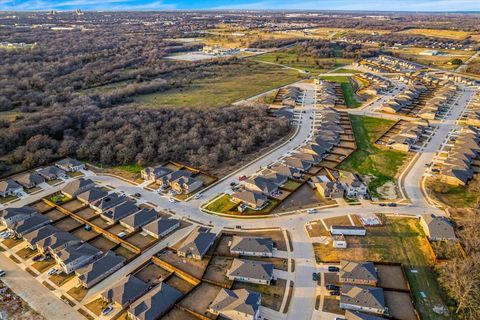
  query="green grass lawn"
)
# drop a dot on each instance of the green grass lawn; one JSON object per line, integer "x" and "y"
{"x": 369, "y": 159}
{"x": 132, "y": 168}
{"x": 58, "y": 198}
{"x": 222, "y": 204}
{"x": 295, "y": 60}
{"x": 223, "y": 87}
{"x": 455, "y": 197}
{"x": 347, "y": 89}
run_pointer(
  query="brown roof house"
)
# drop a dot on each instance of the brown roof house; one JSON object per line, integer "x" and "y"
{"x": 30, "y": 179}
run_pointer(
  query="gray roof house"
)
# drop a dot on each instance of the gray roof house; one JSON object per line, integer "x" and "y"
{"x": 39, "y": 234}
{"x": 252, "y": 246}
{"x": 362, "y": 298}
{"x": 155, "y": 303}
{"x": 197, "y": 244}
{"x": 99, "y": 269}
{"x": 298, "y": 164}
{"x": 76, "y": 187}
{"x": 70, "y": 165}
{"x": 30, "y": 224}
{"x": 254, "y": 200}
{"x": 356, "y": 315}
{"x": 119, "y": 212}
{"x": 290, "y": 172}
{"x": 51, "y": 173}
{"x": 165, "y": 180}
{"x": 125, "y": 291}
{"x": 30, "y": 179}
{"x": 161, "y": 227}
{"x": 137, "y": 220}
{"x": 261, "y": 184}
{"x": 92, "y": 195}
{"x": 437, "y": 228}
{"x": 358, "y": 273}
{"x": 237, "y": 304}
{"x": 9, "y": 215}
{"x": 154, "y": 173}
{"x": 71, "y": 258}
{"x": 9, "y": 187}
{"x": 108, "y": 202}
{"x": 250, "y": 271}
{"x": 57, "y": 241}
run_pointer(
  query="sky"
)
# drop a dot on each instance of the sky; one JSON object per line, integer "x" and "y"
{"x": 377, "y": 5}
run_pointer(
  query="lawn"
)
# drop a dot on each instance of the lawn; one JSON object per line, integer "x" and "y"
{"x": 347, "y": 89}
{"x": 455, "y": 197}
{"x": 222, "y": 87}
{"x": 368, "y": 159}
{"x": 448, "y": 34}
{"x": 7, "y": 199}
{"x": 400, "y": 240}
{"x": 58, "y": 198}
{"x": 221, "y": 204}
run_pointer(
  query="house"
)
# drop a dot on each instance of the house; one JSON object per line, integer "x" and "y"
{"x": 92, "y": 195}
{"x": 356, "y": 315}
{"x": 354, "y": 272}
{"x": 297, "y": 163}
{"x": 154, "y": 173}
{"x": 339, "y": 241}
{"x": 437, "y": 228}
{"x": 70, "y": 165}
{"x": 290, "y": 172}
{"x": 107, "y": 202}
{"x": 57, "y": 242}
{"x": 362, "y": 298}
{"x": 348, "y": 230}
{"x": 252, "y": 246}
{"x": 261, "y": 184}
{"x": 137, "y": 220}
{"x": 76, "y": 187}
{"x": 9, "y": 188}
{"x": 34, "y": 222}
{"x": 161, "y": 227}
{"x": 52, "y": 173}
{"x": 240, "y": 304}
{"x": 11, "y": 215}
{"x": 250, "y": 271}
{"x": 155, "y": 303}
{"x": 186, "y": 185}
{"x": 352, "y": 184}
{"x": 277, "y": 178}
{"x": 329, "y": 189}
{"x": 197, "y": 244}
{"x": 93, "y": 273}
{"x": 124, "y": 209}
{"x": 166, "y": 180}
{"x": 124, "y": 292}
{"x": 253, "y": 200}
{"x": 39, "y": 234}
{"x": 73, "y": 257}
{"x": 30, "y": 180}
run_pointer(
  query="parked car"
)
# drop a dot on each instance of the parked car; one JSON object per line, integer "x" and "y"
{"x": 315, "y": 276}
{"x": 6, "y": 235}
{"x": 137, "y": 195}
{"x": 381, "y": 204}
{"x": 107, "y": 310}
{"x": 242, "y": 177}
{"x": 87, "y": 227}
{"x": 334, "y": 293}
{"x": 197, "y": 196}
{"x": 121, "y": 235}
{"x": 52, "y": 271}
{"x": 172, "y": 200}
{"x": 2, "y": 273}
{"x": 332, "y": 287}
{"x": 310, "y": 211}
{"x": 38, "y": 257}
{"x": 333, "y": 269}
{"x": 392, "y": 204}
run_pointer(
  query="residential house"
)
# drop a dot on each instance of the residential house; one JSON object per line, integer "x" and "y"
{"x": 76, "y": 187}
{"x": 93, "y": 273}
{"x": 197, "y": 244}
{"x": 329, "y": 189}
{"x": 51, "y": 173}
{"x": 74, "y": 257}
{"x": 277, "y": 178}
{"x": 252, "y": 246}
{"x": 186, "y": 185}
{"x": 250, "y": 271}
{"x": 352, "y": 184}
{"x": 29, "y": 180}
{"x": 297, "y": 163}
{"x": 261, "y": 184}
{"x": 116, "y": 213}
{"x": 105, "y": 203}
{"x": 92, "y": 195}
{"x": 290, "y": 172}
{"x": 348, "y": 230}
{"x": 253, "y": 200}
{"x": 363, "y": 298}
{"x": 9, "y": 188}
{"x": 354, "y": 272}
{"x": 11, "y": 215}
{"x": 356, "y": 315}
{"x": 57, "y": 242}
{"x": 437, "y": 228}
{"x": 161, "y": 227}
{"x": 240, "y": 304}
{"x": 125, "y": 291}
{"x": 137, "y": 220}
{"x": 70, "y": 165}
{"x": 39, "y": 234}
{"x": 166, "y": 180}
{"x": 34, "y": 222}
{"x": 155, "y": 303}
{"x": 154, "y": 173}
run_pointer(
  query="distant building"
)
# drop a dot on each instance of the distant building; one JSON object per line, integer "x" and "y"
{"x": 9, "y": 188}
{"x": 339, "y": 241}
{"x": 76, "y": 187}
{"x": 253, "y": 200}
{"x": 70, "y": 165}
{"x": 155, "y": 173}
{"x": 52, "y": 173}
{"x": 348, "y": 230}
{"x": 30, "y": 180}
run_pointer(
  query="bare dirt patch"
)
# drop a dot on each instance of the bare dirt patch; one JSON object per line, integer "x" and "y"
{"x": 180, "y": 284}
{"x": 193, "y": 267}
{"x": 400, "y": 305}
{"x": 200, "y": 299}
{"x": 391, "y": 277}
{"x": 217, "y": 270}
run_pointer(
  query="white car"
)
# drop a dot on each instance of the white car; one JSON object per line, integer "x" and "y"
{"x": 172, "y": 200}
{"x": 107, "y": 310}
{"x": 121, "y": 235}
{"x": 197, "y": 196}
{"x": 6, "y": 235}
{"x": 52, "y": 271}
{"x": 2, "y": 273}
{"x": 312, "y": 211}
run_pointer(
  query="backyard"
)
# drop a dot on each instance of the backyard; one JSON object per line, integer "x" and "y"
{"x": 347, "y": 89}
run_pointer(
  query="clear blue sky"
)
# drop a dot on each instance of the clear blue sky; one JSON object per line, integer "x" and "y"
{"x": 386, "y": 5}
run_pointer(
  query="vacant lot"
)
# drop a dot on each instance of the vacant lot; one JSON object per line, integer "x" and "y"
{"x": 73, "y": 205}
{"x": 448, "y": 34}
{"x": 141, "y": 240}
{"x": 100, "y": 222}
{"x": 272, "y": 296}
{"x": 222, "y": 204}
{"x": 193, "y": 267}
{"x": 217, "y": 270}
{"x": 41, "y": 206}
{"x": 381, "y": 165}
{"x": 124, "y": 252}
{"x": 400, "y": 305}
{"x": 303, "y": 198}
{"x": 337, "y": 221}
{"x": 391, "y": 277}
{"x": 222, "y": 87}
{"x": 200, "y": 299}
{"x": 85, "y": 235}
{"x": 180, "y": 284}
{"x": 54, "y": 215}
{"x": 317, "y": 229}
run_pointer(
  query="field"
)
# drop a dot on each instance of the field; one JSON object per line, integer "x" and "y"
{"x": 347, "y": 89}
{"x": 448, "y": 34}
{"x": 401, "y": 241}
{"x": 455, "y": 197}
{"x": 440, "y": 61}
{"x": 222, "y": 87}
{"x": 382, "y": 165}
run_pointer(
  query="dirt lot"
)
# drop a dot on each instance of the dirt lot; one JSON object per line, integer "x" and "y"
{"x": 177, "y": 314}
{"x": 337, "y": 221}
{"x": 103, "y": 244}
{"x": 400, "y": 305}
{"x": 303, "y": 198}
{"x": 87, "y": 213}
{"x": 117, "y": 228}
{"x": 391, "y": 277}
{"x": 78, "y": 293}
{"x": 316, "y": 229}
{"x": 332, "y": 305}
{"x": 15, "y": 308}
{"x": 193, "y": 267}
{"x": 84, "y": 234}
{"x": 73, "y": 205}
{"x": 276, "y": 235}
{"x": 152, "y": 273}
{"x": 41, "y": 206}
{"x": 200, "y": 299}
{"x": 124, "y": 252}
{"x": 272, "y": 296}
{"x": 26, "y": 253}
{"x": 42, "y": 266}
{"x": 141, "y": 240}
{"x": 179, "y": 284}
{"x": 217, "y": 270}
{"x": 10, "y": 243}
{"x": 100, "y": 222}
{"x": 68, "y": 224}
{"x": 54, "y": 215}
{"x": 222, "y": 248}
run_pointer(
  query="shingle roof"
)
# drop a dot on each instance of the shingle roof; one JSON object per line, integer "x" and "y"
{"x": 156, "y": 302}
{"x": 109, "y": 201}
{"x": 9, "y": 184}
{"x": 161, "y": 225}
{"x": 439, "y": 227}
{"x": 32, "y": 223}
{"x": 252, "y": 244}
{"x": 140, "y": 218}
{"x": 365, "y": 296}
{"x": 72, "y": 253}
{"x": 358, "y": 270}
{"x": 30, "y": 177}
{"x": 72, "y": 188}
{"x": 125, "y": 290}
{"x": 92, "y": 195}
{"x": 44, "y": 232}
{"x": 241, "y": 300}
{"x": 9, "y": 213}
{"x": 121, "y": 211}
{"x": 251, "y": 269}
{"x": 356, "y": 315}
{"x": 251, "y": 197}
{"x": 99, "y": 267}
{"x": 198, "y": 242}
